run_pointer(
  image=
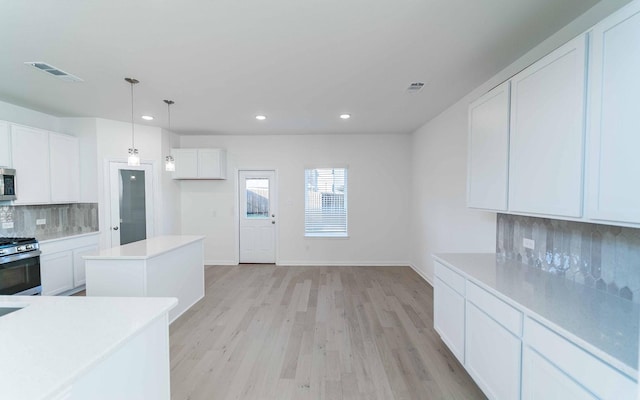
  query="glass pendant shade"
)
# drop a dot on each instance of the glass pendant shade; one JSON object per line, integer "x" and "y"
{"x": 134, "y": 159}
{"x": 169, "y": 164}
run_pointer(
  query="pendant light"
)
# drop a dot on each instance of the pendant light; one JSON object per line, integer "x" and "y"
{"x": 133, "y": 159}
{"x": 169, "y": 164}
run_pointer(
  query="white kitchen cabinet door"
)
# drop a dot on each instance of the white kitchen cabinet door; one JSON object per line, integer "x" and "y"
{"x": 56, "y": 271}
{"x": 541, "y": 380}
{"x": 30, "y": 154}
{"x": 64, "y": 161}
{"x": 212, "y": 164}
{"x": 492, "y": 355}
{"x": 448, "y": 317}
{"x": 79, "y": 272}
{"x": 5, "y": 145}
{"x": 547, "y": 134}
{"x": 613, "y": 164}
{"x": 186, "y": 163}
{"x": 488, "y": 149}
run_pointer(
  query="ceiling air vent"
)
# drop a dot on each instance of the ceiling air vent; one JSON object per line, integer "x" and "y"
{"x": 415, "y": 87}
{"x": 56, "y": 72}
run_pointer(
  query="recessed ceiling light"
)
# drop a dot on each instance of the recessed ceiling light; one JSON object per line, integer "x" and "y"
{"x": 261, "y": 117}
{"x": 345, "y": 116}
{"x": 147, "y": 117}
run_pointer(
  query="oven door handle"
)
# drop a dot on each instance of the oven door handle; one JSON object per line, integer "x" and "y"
{"x": 18, "y": 257}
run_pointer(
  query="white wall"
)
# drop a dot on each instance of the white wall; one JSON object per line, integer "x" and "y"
{"x": 25, "y": 116}
{"x": 113, "y": 142}
{"x": 378, "y": 197}
{"x": 441, "y": 222}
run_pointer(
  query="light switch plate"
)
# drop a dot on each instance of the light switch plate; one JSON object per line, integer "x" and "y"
{"x": 41, "y": 221}
{"x": 7, "y": 225}
{"x": 529, "y": 243}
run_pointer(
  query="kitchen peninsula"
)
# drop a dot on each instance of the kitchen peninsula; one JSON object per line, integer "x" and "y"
{"x": 163, "y": 266}
{"x": 84, "y": 348}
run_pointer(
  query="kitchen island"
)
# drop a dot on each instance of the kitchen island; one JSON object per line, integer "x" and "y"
{"x": 83, "y": 348}
{"x": 162, "y": 266}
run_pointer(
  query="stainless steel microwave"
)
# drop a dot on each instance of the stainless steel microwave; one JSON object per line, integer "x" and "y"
{"x": 7, "y": 184}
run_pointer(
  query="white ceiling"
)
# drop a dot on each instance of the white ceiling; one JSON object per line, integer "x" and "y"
{"x": 300, "y": 62}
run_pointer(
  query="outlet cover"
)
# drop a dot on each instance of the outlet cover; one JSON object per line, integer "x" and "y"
{"x": 529, "y": 243}
{"x": 7, "y": 225}
{"x": 42, "y": 221}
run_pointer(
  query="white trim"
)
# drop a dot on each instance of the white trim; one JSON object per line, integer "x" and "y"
{"x": 343, "y": 263}
{"x": 422, "y": 274}
{"x": 209, "y": 263}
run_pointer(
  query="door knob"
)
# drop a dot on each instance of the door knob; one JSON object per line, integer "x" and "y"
{"x": 273, "y": 222}
{"x": 115, "y": 228}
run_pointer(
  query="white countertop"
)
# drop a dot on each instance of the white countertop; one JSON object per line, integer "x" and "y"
{"x": 604, "y": 324}
{"x": 53, "y": 340}
{"x": 144, "y": 249}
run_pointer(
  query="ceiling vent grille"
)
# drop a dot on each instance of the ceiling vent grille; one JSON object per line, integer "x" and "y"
{"x": 56, "y": 72}
{"x": 415, "y": 87}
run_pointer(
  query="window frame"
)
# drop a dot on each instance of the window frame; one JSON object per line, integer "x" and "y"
{"x": 327, "y": 234}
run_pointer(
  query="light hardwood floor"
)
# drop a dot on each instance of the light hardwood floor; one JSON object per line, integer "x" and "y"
{"x": 267, "y": 332}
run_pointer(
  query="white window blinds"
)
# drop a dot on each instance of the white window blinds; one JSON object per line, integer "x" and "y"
{"x": 325, "y": 202}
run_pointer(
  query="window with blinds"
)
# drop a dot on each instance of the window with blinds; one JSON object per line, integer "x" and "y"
{"x": 325, "y": 202}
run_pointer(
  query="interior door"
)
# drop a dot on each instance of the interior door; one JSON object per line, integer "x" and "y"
{"x": 257, "y": 216}
{"x": 131, "y": 190}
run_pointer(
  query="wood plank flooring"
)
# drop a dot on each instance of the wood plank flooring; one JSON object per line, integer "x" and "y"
{"x": 269, "y": 332}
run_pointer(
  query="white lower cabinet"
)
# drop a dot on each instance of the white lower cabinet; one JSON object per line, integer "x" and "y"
{"x": 542, "y": 380}
{"x": 492, "y": 355}
{"x": 61, "y": 264}
{"x": 79, "y": 273}
{"x": 56, "y": 271}
{"x": 448, "y": 317}
{"x": 448, "y": 313}
{"x": 509, "y": 354}
{"x": 570, "y": 364}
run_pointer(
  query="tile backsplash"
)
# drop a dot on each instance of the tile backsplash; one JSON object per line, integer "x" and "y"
{"x": 600, "y": 256}
{"x": 61, "y": 220}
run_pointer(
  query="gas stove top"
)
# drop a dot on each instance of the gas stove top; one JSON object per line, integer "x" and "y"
{"x": 15, "y": 241}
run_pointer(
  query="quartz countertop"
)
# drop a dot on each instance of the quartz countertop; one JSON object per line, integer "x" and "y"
{"x": 603, "y": 324}
{"x": 53, "y": 340}
{"x": 144, "y": 249}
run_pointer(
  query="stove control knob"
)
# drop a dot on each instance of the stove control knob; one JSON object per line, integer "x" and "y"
{"x": 2, "y": 252}
{"x": 20, "y": 248}
{"x": 29, "y": 247}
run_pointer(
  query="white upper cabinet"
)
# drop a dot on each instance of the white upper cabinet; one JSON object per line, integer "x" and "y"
{"x": 30, "y": 154}
{"x": 488, "y": 150}
{"x": 64, "y": 166}
{"x": 186, "y": 163}
{"x": 5, "y": 145}
{"x": 613, "y": 162}
{"x": 200, "y": 163}
{"x": 547, "y": 134}
{"x": 212, "y": 164}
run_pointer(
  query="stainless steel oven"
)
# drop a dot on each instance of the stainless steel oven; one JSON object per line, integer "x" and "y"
{"x": 20, "y": 267}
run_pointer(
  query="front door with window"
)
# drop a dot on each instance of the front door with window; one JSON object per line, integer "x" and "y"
{"x": 257, "y": 217}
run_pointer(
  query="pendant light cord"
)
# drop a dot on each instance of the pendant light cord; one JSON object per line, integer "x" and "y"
{"x": 133, "y": 146}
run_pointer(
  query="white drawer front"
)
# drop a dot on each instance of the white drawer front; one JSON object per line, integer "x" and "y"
{"x": 503, "y": 313}
{"x": 453, "y": 279}
{"x": 598, "y": 377}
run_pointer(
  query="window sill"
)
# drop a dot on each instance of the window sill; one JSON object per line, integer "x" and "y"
{"x": 325, "y": 236}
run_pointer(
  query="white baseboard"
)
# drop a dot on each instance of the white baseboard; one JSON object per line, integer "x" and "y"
{"x": 287, "y": 263}
{"x": 220, "y": 262}
{"x": 422, "y": 274}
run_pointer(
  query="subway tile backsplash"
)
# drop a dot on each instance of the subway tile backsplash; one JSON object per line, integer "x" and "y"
{"x": 600, "y": 256}
{"x": 61, "y": 220}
